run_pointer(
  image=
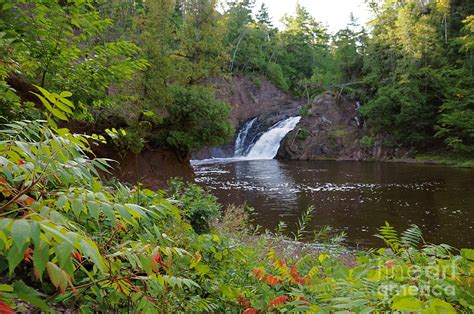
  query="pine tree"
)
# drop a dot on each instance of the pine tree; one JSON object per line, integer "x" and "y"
{"x": 263, "y": 17}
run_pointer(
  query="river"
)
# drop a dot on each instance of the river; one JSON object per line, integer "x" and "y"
{"x": 355, "y": 197}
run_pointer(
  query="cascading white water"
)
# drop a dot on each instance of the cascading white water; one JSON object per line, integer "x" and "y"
{"x": 239, "y": 148}
{"x": 268, "y": 144}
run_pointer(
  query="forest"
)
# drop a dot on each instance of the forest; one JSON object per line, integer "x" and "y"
{"x": 139, "y": 75}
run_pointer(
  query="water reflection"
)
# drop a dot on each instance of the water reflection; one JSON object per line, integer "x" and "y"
{"x": 356, "y": 197}
{"x": 271, "y": 178}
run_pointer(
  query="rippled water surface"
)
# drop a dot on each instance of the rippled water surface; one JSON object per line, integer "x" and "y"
{"x": 356, "y": 197}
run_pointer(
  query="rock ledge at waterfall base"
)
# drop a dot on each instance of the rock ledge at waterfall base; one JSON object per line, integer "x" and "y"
{"x": 332, "y": 129}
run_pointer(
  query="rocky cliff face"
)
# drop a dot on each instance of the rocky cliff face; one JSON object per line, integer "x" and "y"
{"x": 250, "y": 98}
{"x": 332, "y": 129}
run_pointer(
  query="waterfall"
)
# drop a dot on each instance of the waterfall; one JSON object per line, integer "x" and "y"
{"x": 242, "y": 143}
{"x": 268, "y": 144}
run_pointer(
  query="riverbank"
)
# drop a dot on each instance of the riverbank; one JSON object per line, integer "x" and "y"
{"x": 450, "y": 159}
{"x": 453, "y": 160}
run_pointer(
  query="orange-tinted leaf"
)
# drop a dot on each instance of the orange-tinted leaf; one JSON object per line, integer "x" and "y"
{"x": 277, "y": 302}
{"x": 120, "y": 227}
{"x": 27, "y": 256}
{"x": 389, "y": 263}
{"x": 59, "y": 277}
{"x": 160, "y": 261}
{"x": 272, "y": 280}
{"x": 77, "y": 256}
{"x": 294, "y": 273}
{"x": 243, "y": 301}
{"x": 25, "y": 200}
{"x": 5, "y": 309}
{"x": 257, "y": 272}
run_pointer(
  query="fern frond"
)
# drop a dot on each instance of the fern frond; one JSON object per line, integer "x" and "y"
{"x": 412, "y": 237}
{"x": 303, "y": 222}
{"x": 390, "y": 236}
{"x": 441, "y": 250}
{"x": 200, "y": 305}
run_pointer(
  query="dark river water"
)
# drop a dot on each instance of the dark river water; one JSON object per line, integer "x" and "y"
{"x": 355, "y": 197}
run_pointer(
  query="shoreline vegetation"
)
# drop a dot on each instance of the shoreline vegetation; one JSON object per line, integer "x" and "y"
{"x": 448, "y": 159}
{"x": 65, "y": 244}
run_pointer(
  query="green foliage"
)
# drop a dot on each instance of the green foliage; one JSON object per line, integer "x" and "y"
{"x": 58, "y": 47}
{"x": 305, "y": 111}
{"x": 418, "y": 64}
{"x": 303, "y": 134}
{"x": 367, "y": 141}
{"x": 275, "y": 74}
{"x": 196, "y": 119}
{"x": 303, "y": 223}
{"x": 58, "y": 106}
{"x": 69, "y": 241}
{"x": 182, "y": 42}
{"x": 198, "y": 207}
{"x": 127, "y": 140}
{"x": 78, "y": 236}
{"x": 456, "y": 122}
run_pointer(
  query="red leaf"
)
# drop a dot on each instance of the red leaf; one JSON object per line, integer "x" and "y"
{"x": 27, "y": 255}
{"x": 257, "y": 272}
{"x": 294, "y": 273}
{"x": 250, "y": 311}
{"x": 137, "y": 289}
{"x": 20, "y": 162}
{"x": 389, "y": 263}
{"x": 281, "y": 263}
{"x": 272, "y": 280}
{"x": 5, "y": 309}
{"x": 77, "y": 256}
{"x": 35, "y": 272}
{"x": 305, "y": 281}
{"x": 243, "y": 301}
{"x": 277, "y": 302}
{"x": 303, "y": 299}
{"x": 120, "y": 227}
{"x": 159, "y": 261}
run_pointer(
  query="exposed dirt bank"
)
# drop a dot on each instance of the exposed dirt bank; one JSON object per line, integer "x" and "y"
{"x": 152, "y": 168}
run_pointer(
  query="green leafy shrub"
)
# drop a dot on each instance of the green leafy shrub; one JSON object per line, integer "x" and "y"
{"x": 305, "y": 111}
{"x": 275, "y": 74}
{"x": 196, "y": 119}
{"x": 303, "y": 134}
{"x": 127, "y": 140}
{"x": 367, "y": 141}
{"x": 70, "y": 233}
{"x": 198, "y": 206}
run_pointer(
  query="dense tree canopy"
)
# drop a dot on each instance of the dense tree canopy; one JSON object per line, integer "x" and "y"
{"x": 417, "y": 66}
